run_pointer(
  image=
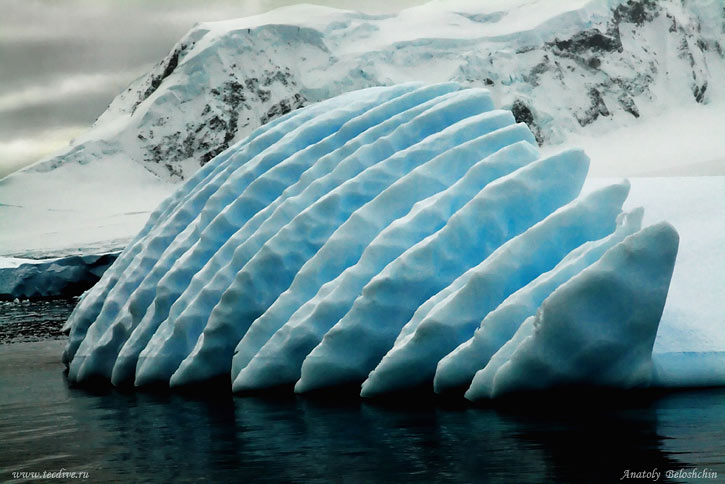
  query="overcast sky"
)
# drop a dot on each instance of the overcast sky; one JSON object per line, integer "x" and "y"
{"x": 62, "y": 62}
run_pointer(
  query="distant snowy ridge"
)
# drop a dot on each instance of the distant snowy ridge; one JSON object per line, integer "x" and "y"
{"x": 378, "y": 239}
{"x": 559, "y": 66}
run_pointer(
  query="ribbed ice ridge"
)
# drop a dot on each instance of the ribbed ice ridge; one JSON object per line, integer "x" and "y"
{"x": 397, "y": 238}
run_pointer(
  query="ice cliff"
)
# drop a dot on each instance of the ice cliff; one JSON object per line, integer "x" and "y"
{"x": 396, "y": 237}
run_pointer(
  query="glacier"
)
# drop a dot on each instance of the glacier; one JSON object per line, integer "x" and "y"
{"x": 390, "y": 239}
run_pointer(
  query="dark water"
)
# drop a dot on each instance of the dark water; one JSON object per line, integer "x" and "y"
{"x": 139, "y": 437}
{"x": 34, "y": 320}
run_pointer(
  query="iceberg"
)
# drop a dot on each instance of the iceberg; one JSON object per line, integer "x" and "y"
{"x": 395, "y": 237}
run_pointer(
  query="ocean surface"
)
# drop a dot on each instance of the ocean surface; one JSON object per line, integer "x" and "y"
{"x": 114, "y": 436}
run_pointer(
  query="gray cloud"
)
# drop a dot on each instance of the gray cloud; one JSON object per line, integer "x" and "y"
{"x": 21, "y": 151}
{"x": 74, "y": 99}
{"x": 61, "y": 63}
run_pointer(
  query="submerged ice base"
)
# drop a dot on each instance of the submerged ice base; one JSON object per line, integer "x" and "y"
{"x": 367, "y": 237}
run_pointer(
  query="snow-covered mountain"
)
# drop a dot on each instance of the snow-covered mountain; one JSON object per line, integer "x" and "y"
{"x": 559, "y": 66}
{"x": 581, "y": 70}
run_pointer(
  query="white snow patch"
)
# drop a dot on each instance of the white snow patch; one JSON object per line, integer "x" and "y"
{"x": 80, "y": 208}
{"x": 684, "y": 141}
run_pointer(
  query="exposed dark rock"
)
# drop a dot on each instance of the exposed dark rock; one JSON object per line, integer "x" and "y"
{"x": 209, "y": 155}
{"x": 596, "y": 108}
{"x": 685, "y": 53}
{"x": 699, "y": 92}
{"x": 252, "y": 96}
{"x": 537, "y": 70}
{"x": 283, "y": 107}
{"x": 173, "y": 171}
{"x": 588, "y": 40}
{"x": 635, "y": 11}
{"x": 673, "y": 24}
{"x": 522, "y": 114}
{"x": 218, "y": 122}
{"x": 628, "y": 104}
{"x": 277, "y": 76}
{"x": 166, "y": 66}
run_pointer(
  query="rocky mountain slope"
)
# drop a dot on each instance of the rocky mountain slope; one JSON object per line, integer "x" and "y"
{"x": 560, "y": 66}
